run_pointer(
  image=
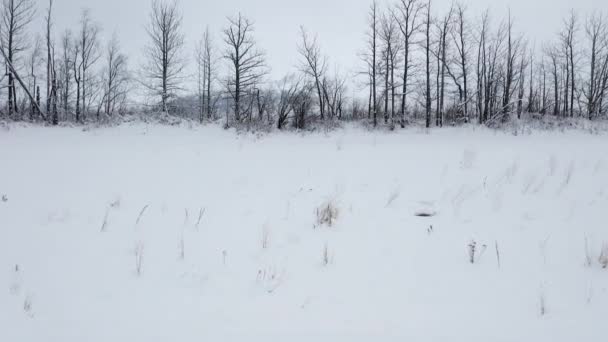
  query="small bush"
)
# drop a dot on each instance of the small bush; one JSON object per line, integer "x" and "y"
{"x": 327, "y": 214}
{"x": 27, "y": 306}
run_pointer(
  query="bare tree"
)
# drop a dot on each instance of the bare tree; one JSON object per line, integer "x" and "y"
{"x": 314, "y": 65}
{"x": 49, "y": 56}
{"x": 289, "y": 87}
{"x": 34, "y": 60}
{"x": 481, "y": 70}
{"x": 77, "y": 74}
{"x": 444, "y": 26}
{"x": 513, "y": 47}
{"x": 523, "y": 64}
{"x": 247, "y": 62}
{"x": 371, "y": 60}
{"x": 301, "y": 105}
{"x": 553, "y": 55}
{"x": 334, "y": 90}
{"x": 391, "y": 50}
{"x": 489, "y": 71}
{"x": 209, "y": 59}
{"x": 205, "y": 61}
{"x": 567, "y": 37}
{"x": 16, "y": 16}
{"x": 201, "y": 80}
{"x": 165, "y": 65}
{"x": 428, "y": 65}
{"x": 596, "y": 31}
{"x": 532, "y": 96}
{"x": 51, "y": 72}
{"x": 65, "y": 70}
{"x": 407, "y": 17}
{"x": 460, "y": 37}
{"x": 116, "y": 77}
{"x": 89, "y": 54}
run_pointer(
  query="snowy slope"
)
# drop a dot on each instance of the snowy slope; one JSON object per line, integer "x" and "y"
{"x": 258, "y": 266}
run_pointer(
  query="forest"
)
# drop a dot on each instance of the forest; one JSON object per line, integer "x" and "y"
{"x": 419, "y": 65}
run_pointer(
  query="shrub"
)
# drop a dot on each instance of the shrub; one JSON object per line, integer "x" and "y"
{"x": 327, "y": 214}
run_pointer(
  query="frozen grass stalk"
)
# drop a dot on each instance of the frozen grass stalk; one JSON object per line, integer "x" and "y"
{"x": 588, "y": 259}
{"x": 326, "y": 256}
{"x": 265, "y": 238}
{"x": 393, "y": 196}
{"x": 104, "y": 225}
{"x": 201, "y": 213}
{"x": 139, "y": 256}
{"x": 185, "y": 216}
{"x": 182, "y": 248}
{"x": 472, "y": 250}
{"x": 497, "y": 254}
{"x": 141, "y": 213}
{"x": 542, "y": 304}
{"x": 603, "y": 259}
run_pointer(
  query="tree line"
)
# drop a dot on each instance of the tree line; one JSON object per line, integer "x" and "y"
{"x": 419, "y": 63}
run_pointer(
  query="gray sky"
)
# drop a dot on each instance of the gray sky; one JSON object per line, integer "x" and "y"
{"x": 340, "y": 24}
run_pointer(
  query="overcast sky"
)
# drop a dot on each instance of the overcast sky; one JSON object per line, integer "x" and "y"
{"x": 340, "y": 24}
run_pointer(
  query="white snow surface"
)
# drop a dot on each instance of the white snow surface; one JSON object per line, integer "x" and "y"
{"x": 259, "y": 267}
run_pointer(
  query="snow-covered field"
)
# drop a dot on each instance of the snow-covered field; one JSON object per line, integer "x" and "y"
{"x": 150, "y": 233}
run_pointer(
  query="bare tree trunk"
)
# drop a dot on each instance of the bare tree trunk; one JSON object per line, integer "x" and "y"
{"x": 314, "y": 65}
{"x": 16, "y": 16}
{"x": 164, "y": 59}
{"x": 443, "y": 42}
{"x": 428, "y": 65}
{"x": 371, "y": 60}
{"x": 511, "y": 52}
{"x": 520, "y": 94}
{"x": 48, "y": 20}
{"x": 409, "y": 11}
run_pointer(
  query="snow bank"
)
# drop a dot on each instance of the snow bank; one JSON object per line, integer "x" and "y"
{"x": 153, "y": 233}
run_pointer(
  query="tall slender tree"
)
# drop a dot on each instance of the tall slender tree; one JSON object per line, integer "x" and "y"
{"x": 428, "y": 65}
{"x": 49, "y": 58}
{"x": 165, "y": 64}
{"x": 371, "y": 60}
{"x": 116, "y": 77}
{"x": 246, "y": 61}
{"x": 313, "y": 64}
{"x": 90, "y": 54}
{"x": 16, "y": 16}
{"x": 460, "y": 37}
{"x": 407, "y": 16}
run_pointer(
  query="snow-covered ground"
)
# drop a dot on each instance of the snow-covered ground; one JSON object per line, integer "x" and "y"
{"x": 150, "y": 233}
